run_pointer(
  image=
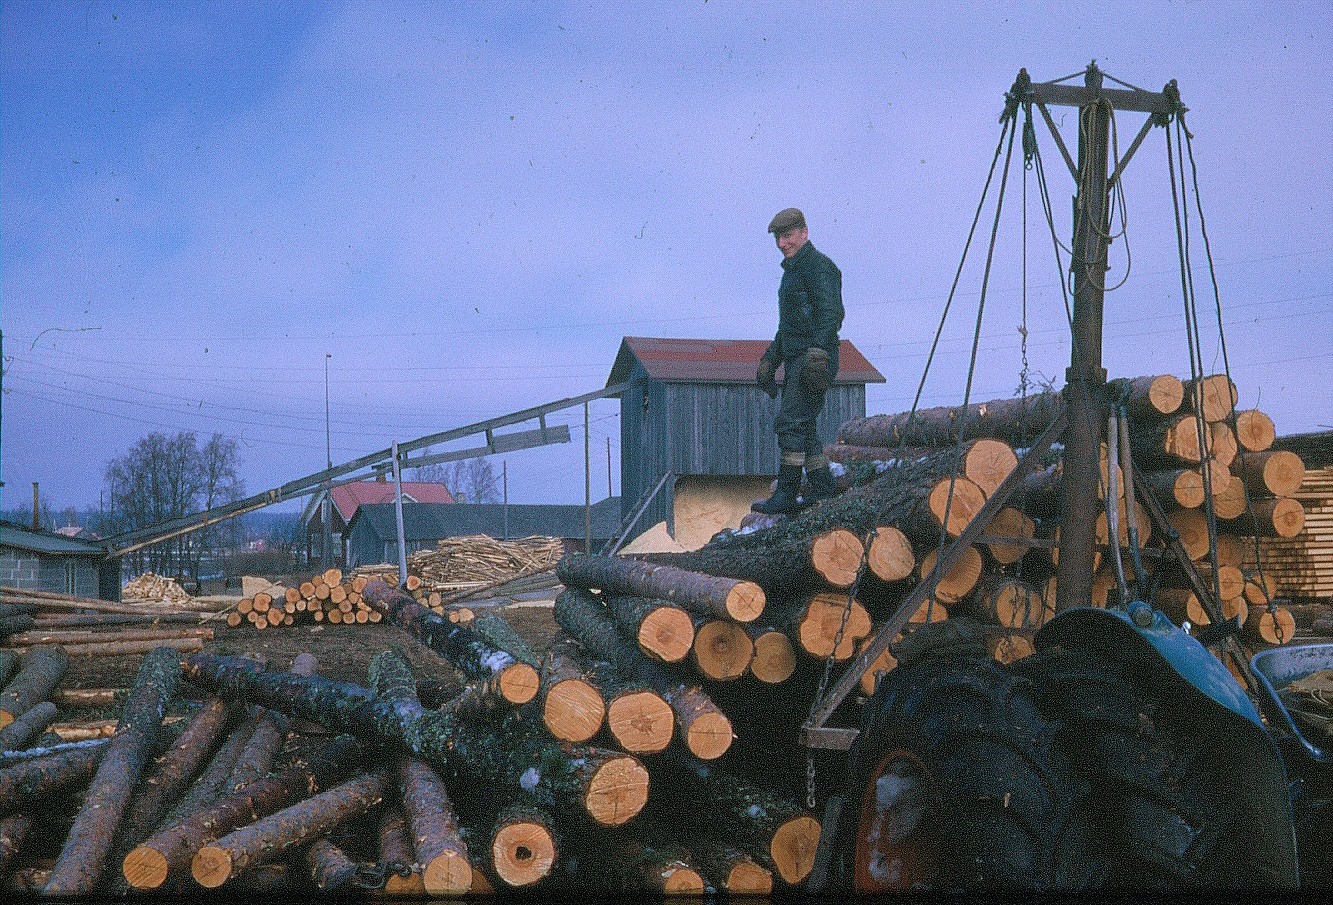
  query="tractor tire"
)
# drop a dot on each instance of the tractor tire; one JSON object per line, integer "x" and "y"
{"x": 955, "y": 785}
{"x": 1167, "y": 798}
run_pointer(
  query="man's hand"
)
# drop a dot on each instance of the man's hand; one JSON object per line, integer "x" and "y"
{"x": 768, "y": 368}
{"x": 814, "y": 371}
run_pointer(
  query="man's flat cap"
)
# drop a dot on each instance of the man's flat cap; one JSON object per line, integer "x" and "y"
{"x": 791, "y": 218}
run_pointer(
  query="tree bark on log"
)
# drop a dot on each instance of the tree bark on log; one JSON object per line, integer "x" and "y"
{"x": 83, "y": 858}
{"x": 1270, "y": 473}
{"x": 166, "y": 855}
{"x": 330, "y": 868}
{"x": 53, "y": 621}
{"x": 1149, "y": 397}
{"x": 1015, "y": 421}
{"x": 28, "y": 725}
{"x": 211, "y": 783}
{"x": 396, "y": 856}
{"x": 32, "y": 780}
{"x": 49, "y": 600}
{"x": 1180, "y": 487}
{"x": 271, "y": 836}
{"x": 256, "y": 760}
{"x": 648, "y": 864}
{"x": 40, "y": 671}
{"x": 663, "y": 631}
{"x": 123, "y": 648}
{"x": 9, "y": 661}
{"x": 14, "y": 832}
{"x": 11, "y": 626}
{"x": 1214, "y": 395}
{"x": 610, "y": 788}
{"x": 8, "y": 610}
{"x": 1279, "y": 517}
{"x": 468, "y": 648}
{"x": 67, "y": 638}
{"x": 705, "y": 594}
{"x": 730, "y": 870}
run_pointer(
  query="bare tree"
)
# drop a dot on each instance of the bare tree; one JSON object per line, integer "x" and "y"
{"x": 473, "y": 481}
{"x": 164, "y": 477}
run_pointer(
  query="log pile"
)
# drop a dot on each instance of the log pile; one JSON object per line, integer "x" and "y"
{"x": 460, "y": 567}
{"x": 156, "y": 588}
{"x": 1303, "y": 565}
{"x": 326, "y": 597}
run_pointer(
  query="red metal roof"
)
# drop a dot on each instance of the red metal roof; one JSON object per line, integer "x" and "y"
{"x": 349, "y": 497}
{"x": 719, "y": 360}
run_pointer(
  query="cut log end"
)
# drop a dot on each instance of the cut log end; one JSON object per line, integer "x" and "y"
{"x": 966, "y": 503}
{"x": 448, "y": 873}
{"x": 617, "y": 792}
{"x": 745, "y": 602}
{"x": 821, "y": 621}
{"x": 988, "y": 462}
{"x": 836, "y": 555}
{"x": 519, "y": 683}
{"x": 1277, "y": 627}
{"x": 211, "y": 866}
{"x": 891, "y": 557}
{"x": 722, "y": 650}
{"x": 748, "y": 878}
{"x": 679, "y": 881}
{"x": 667, "y": 634}
{"x": 885, "y": 662}
{"x": 522, "y": 853}
{"x": 574, "y": 710}
{"x": 793, "y": 848}
{"x": 709, "y": 736}
{"x": 642, "y": 722}
{"x": 411, "y": 884}
{"x": 774, "y": 658}
{"x": 145, "y": 868}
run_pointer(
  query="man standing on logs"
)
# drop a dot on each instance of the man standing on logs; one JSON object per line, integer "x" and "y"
{"x": 809, "y": 315}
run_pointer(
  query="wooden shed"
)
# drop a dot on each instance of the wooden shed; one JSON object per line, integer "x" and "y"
{"x": 696, "y": 412}
{"x": 47, "y": 561}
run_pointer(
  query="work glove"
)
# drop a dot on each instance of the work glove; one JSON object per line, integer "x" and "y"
{"x": 765, "y": 377}
{"x": 814, "y": 372}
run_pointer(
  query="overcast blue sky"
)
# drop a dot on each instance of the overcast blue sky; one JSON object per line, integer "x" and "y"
{"x": 469, "y": 205}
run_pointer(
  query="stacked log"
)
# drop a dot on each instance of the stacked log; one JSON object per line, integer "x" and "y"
{"x": 326, "y": 597}
{"x": 156, "y": 588}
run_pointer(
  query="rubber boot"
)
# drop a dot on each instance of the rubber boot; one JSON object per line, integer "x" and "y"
{"x": 823, "y": 486}
{"x": 787, "y": 498}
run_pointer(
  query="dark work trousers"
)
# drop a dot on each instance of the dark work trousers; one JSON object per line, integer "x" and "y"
{"x": 795, "y": 423}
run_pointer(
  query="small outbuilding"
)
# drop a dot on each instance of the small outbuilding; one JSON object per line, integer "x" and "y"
{"x": 47, "y": 561}
{"x": 348, "y": 498}
{"x": 373, "y": 534}
{"x": 696, "y": 412}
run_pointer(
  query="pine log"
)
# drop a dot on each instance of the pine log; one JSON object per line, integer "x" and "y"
{"x": 1215, "y": 396}
{"x": 401, "y": 868}
{"x": 330, "y": 867}
{"x": 1260, "y": 586}
{"x": 812, "y": 623}
{"x": 211, "y": 783}
{"x": 123, "y": 648}
{"x": 1180, "y": 488}
{"x": 1254, "y": 431}
{"x": 931, "y": 610}
{"x": 165, "y": 855}
{"x": 471, "y": 649}
{"x": 1011, "y": 603}
{"x": 1015, "y": 421}
{"x": 663, "y": 631}
{"x": 1173, "y": 441}
{"x": 1150, "y": 397}
{"x": 959, "y": 581}
{"x": 67, "y": 638}
{"x": 82, "y": 860}
{"x": 1009, "y": 647}
{"x": 9, "y": 661}
{"x": 852, "y": 456}
{"x": 175, "y": 769}
{"x": 14, "y": 832}
{"x": 573, "y": 707}
{"x": 50, "y": 600}
{"x": 1230, "y": 499}
{"x": 651, "y": 866}
{"x": 269, "y": 837}
{"x": 446, "y": 867}
{"x": 836, "y": 557}
{"x": 722, "y": 650}
{"x": 774, "y": 654}
{"x": 729, "y": 870}
{"x": 608, "y": 787}
{"x": 704, "y": 594}
{"x": 1276, "y": 517}
{"x": 1273, "y": 472}
{"x": 54, "y": 748}
{"x": 33, "y": 780}
{"x": 766, "y": 825}
{"x": 89, "y": 620}
{"x": 704, "y": 728}
{"x": 8, "y": 610}
{"x": 267, "y": 737}
{"x": 29, "y": 724}
{"x": 40, "y": 671}
{"x": 1275, "y": 626}
{"x": 882, "y": 664}
{"x": 891, "y": 556}
{"x": 523, "y": 846}
{"x": 1222, "y": 445}
{"x": 1192, "y": 526}
{"x": 1014, "y": 523}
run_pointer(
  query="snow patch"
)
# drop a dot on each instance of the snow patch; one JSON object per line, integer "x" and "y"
{"x": 528, "y": 781}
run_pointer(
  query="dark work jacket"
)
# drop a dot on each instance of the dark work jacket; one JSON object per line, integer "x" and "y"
{"x": 809, "y": 306}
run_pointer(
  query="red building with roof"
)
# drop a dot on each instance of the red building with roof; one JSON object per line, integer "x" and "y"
{"x": 348, "y": 498}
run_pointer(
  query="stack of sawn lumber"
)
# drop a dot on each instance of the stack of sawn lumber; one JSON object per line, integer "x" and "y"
{"x": 461, "y": 567}
{"x": 150, "y": 586}
{"x": 323, "y": 597}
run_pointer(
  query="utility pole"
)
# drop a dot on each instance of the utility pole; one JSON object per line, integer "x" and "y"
{"x": 326, "y": 507}
{"x": 608, "y": 467}
{"x": 587, "y": 483}
{"x": 398, "y": 517}
{"x": 504, "y": 474}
